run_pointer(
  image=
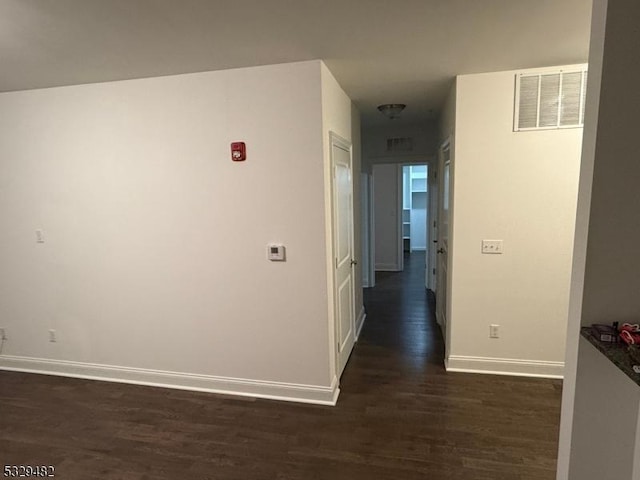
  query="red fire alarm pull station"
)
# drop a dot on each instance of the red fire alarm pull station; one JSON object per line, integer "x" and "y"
{"x": 238, "y": 152}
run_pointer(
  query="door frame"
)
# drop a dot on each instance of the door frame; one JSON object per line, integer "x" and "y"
{"x": 344, "y": 144}
{"x": 400, "y": 241}
{"x": 399, "y": 254}
{"x": 445, "y": 303}
{"x": 368, "y": 247}
{"x": 432, "y": 226}
{"x": 429, "y": 266}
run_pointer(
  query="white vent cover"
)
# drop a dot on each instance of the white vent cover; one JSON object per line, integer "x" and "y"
{"x": 400, "y": 144}
{"x": 550, "y": 100}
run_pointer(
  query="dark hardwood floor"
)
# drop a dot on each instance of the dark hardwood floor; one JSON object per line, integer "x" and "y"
{"x": 400, "y": 416}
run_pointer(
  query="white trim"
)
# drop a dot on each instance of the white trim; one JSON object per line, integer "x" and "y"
{"x": 387, "y": 267}
{"x": 360, "y": 322}
{"x": 505, "y": 366}
{"x": 289, "y": 392}
{"x": 399, "y": 236}
{"x": 559, "y": 127}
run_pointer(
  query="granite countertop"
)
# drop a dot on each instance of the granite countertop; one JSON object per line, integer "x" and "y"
{"x": 616, "y": 352}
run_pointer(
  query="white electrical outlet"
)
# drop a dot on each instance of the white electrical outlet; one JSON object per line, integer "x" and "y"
{"x": 492, "y": 246}
{"x": 494, "y": 331}
{"x": 39, "y": 236}
{"x": 3, "y": 334}
{"x": 52, "y": 336}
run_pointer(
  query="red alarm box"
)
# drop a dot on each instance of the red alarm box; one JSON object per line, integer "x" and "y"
{"x": 238, "y": 152}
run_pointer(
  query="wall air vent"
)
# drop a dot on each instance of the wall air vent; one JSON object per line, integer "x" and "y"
{"x": 399, "y": 145}
{"x": 550, "y": 100}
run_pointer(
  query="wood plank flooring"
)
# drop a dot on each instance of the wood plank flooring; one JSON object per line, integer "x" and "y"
{"x": 400, "y": 416}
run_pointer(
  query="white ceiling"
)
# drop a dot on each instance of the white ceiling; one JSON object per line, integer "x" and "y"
{"x": 381, "y": 51}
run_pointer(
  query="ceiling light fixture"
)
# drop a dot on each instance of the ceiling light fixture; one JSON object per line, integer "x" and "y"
{"x": 392, "y": 110}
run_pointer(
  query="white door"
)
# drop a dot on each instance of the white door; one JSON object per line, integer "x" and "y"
{"x": 443, "y": 236}
{"x": 344, "y": 262}
{"x": 387, "y": 217}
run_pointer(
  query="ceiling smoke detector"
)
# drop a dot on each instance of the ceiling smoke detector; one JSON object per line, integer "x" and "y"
{"x": 392, "y": 110}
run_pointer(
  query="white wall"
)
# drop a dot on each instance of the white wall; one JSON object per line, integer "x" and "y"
{"x": 447, "y": 123}
{"x": 386, "y": 198}
{"x": 366, "y": 226}
{"x": 613, "y": 274}
{"x": 155, "y": 253}
{"x": 596, "y": 48}
{"x": 606, "y": 419}
{"x": 374, "y": 143}
{"x": 520, "y": 187}
{"x": 608, "y": 267}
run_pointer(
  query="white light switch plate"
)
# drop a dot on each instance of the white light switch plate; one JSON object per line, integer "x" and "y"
{"x": 492, "y": 246}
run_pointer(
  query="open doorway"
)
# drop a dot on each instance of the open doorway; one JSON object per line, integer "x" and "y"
{"x": 400, "y": 304}
{"x": 400, "y": 212}
{"x": 415, "y": 211}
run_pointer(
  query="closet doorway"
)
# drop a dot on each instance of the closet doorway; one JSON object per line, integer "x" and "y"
{"x": 402, "y": 197}
{"x": 415, "y": 216}
{"x": 414, "y": 208}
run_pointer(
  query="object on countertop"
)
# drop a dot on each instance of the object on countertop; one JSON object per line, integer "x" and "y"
{"x": 629, "y": 337}
{"x": 630, "y": 333}
{"x": 633, "y": 328}
{"x": 634, "y": 353}
{"x": 605, "y": 333}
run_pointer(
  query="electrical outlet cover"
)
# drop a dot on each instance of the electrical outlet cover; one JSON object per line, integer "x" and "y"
{"x": 494, "y": 331}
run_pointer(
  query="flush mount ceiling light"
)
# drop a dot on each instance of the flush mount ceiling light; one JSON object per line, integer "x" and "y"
{"x": 392, "y": 110}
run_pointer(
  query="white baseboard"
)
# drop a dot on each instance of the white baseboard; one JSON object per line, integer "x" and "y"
{"x": 289, "y": 392}
{"x": 387, "y": 267}
{"x": 504, "y": 366}
{"x": 360, "y": 322}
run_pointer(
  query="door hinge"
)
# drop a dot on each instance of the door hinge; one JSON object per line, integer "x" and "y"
{"x": 434, "y": 224}
{"x": 433, "y": 271}
{"x": 336, "y": 263}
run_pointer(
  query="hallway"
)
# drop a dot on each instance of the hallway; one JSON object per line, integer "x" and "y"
{"x": 457, "y": 425}
{"x": 399, "y": 416}
{"x": 400, "y": 316}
